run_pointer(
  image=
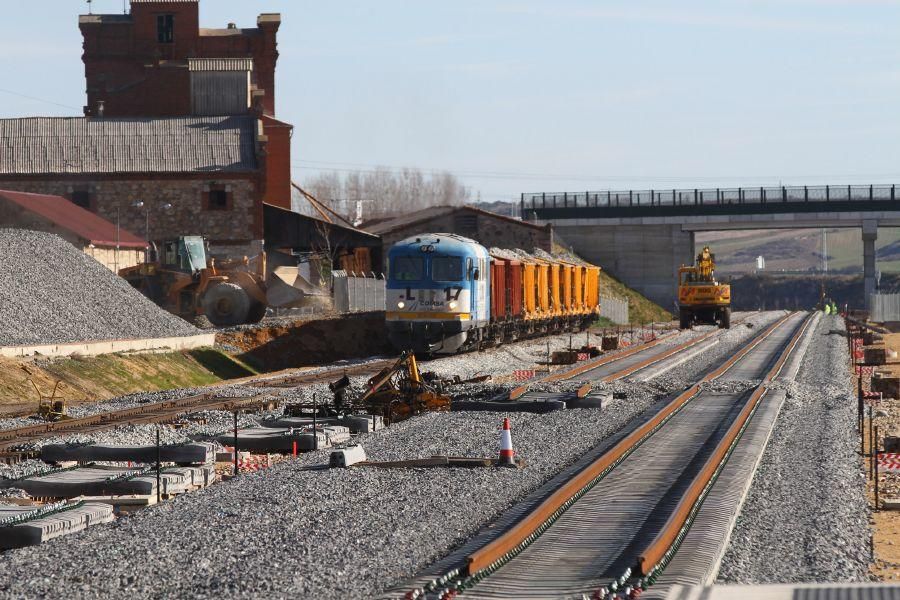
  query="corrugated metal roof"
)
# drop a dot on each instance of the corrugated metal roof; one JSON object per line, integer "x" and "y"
{"x": 68, "y": 216}
{"x": 76, "y": 145}
{"x": 220, "y": 64}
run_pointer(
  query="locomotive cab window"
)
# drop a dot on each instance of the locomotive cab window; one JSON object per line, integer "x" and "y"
{"x": 447, "y": 268}
{"x": 408, "y": 268}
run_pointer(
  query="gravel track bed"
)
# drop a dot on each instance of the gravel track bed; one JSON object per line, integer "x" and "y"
{"x": 336, "y": 533}
{"x": 805, "y": 518}
{"x": 51, "y": 293}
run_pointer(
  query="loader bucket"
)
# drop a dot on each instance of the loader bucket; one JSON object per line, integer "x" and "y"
{"x": 286, "y": 288}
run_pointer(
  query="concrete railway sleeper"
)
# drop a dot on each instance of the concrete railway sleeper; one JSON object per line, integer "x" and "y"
{"x": 620, "y": 365}
{"x": 563, "y": 547}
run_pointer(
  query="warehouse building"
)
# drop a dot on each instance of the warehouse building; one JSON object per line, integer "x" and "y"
{"x": 486, "y": 228}
{"x": 163, "y": 177}
{"x": 114, "y": 247}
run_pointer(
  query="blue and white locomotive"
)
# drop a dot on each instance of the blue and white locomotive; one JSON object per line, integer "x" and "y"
{"x": 438, "y": 296}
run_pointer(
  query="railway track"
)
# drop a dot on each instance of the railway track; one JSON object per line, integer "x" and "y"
{"x": 169, "y": 410}
{"x": 615, "y": 522}
{"x": 617, "y": 366}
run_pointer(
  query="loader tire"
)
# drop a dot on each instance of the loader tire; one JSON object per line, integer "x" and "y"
{"x": 684, "y": 319}
{"x": 257, "y": 312}
{"x": 226, "y": 304}
{"x": 725, "y": 319}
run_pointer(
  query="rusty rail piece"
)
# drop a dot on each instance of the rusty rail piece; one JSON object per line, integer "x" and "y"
{"x": 160, "y": 412}
{"x": 516, "y": 537}
{"x": 662, "y": 548}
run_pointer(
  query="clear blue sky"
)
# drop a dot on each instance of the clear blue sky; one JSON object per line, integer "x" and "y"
{"x": 548, "y": 96}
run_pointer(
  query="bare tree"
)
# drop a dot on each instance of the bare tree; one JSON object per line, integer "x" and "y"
{"x": 385, "y": 192}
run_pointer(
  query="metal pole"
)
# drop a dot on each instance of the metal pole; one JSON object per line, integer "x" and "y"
{"x": 876, "y": 467}
{"x": 236, "y": 471}
{"x": 158, "y": 488}
{"x": 859, "y": 405}
{"x": 871, "y": 442}
{"x": 315, "y": 431}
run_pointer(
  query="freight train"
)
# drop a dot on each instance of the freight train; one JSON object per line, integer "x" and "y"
{"x": 447, "y": 293}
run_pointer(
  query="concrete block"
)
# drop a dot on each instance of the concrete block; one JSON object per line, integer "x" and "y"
{"x": 892, "y": 444}
{"x": 888, "y": 386}
{"x": 363, "y": 423}
{"x": 69, "y": 519}
{"x": 273, "y": 439}
{"x": 874, "y": 355}
{"x": 347, "y": 456}
{"x": 197, "y": 453}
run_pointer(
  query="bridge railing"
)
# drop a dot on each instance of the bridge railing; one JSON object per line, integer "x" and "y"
{"x": 710, "y": 196}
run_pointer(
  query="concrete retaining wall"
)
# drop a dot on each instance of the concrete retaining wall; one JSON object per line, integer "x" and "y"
{"x": 111, "y": 346}
{"x": 643, "y": 257}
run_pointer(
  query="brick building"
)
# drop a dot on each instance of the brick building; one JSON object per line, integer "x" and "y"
{"x": 158, "y": 62}
{"x": 178, "y": 118}
{"x": 486, "y": 228}
{"x": 193, "y": 175}
{"x": 115, "y": 247}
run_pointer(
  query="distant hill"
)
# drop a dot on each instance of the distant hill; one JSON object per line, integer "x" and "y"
{"x": 798, "y": 250}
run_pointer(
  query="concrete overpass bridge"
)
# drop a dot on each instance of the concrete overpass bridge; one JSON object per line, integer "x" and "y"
{"x": 643, "y": 236}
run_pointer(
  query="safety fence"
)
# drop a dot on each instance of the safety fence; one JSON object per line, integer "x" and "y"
{"x": 884, "y": 307}
{"x": 357, "y": 292}
{"x": 614, "y": 309}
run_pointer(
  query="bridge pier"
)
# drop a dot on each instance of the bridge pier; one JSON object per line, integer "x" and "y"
{"x": 643, "y": 257}
{"x": 869, "y": 235}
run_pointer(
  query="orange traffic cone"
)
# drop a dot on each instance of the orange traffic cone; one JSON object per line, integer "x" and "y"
{"x": 507, "y": 454}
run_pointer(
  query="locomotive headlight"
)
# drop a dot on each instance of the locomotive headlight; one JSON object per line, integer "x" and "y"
{"x": 452, "y": 305}
{"x": 401, "y": 304}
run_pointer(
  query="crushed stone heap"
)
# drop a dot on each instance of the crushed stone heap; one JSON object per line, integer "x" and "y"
{"x": 51, "y": 293}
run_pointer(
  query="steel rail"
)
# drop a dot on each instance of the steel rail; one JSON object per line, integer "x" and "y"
{"x": 167, "y": 410}
{"x": 507, "y": 544}
{"x": 665, "y": 540}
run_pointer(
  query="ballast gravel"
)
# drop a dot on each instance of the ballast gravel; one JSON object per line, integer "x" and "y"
{"x": 292, "y": 532}
{"x": 805, "y": 518}
{"x": 51, "y": 293}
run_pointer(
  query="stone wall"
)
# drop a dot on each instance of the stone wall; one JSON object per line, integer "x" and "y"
{"x": 109, "y": 258}
{"x": 238, "y": 226}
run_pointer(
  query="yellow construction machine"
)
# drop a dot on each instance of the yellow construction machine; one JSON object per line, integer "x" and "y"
{"x": 399, "y": 392}
{"x": 182, "y": 280}
{"x": 701, "y": 298}
{"x": 51, "y": 408}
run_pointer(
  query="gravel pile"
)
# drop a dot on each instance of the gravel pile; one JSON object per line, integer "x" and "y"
{"x": 805, "y": 518}
{"x": 337, "y": 533}
{"x": 52, "y": 293}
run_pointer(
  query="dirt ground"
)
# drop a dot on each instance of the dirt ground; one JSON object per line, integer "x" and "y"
{"x": 886, "y": 523}
{"x": 306, "y": 343}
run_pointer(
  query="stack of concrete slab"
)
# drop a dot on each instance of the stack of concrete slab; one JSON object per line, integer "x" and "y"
{"x": 355, "y": 423}
{"x": 96, "y": 480}
{"x": 195, "y": 453}
{"x": 31, "y": 525}
{"x": 281, "y": 439}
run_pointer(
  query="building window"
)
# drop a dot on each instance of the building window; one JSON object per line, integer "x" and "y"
{"x": 82, "y": 198}
{"x": 165, "y": 29}
{"x": 218, "y": 197}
